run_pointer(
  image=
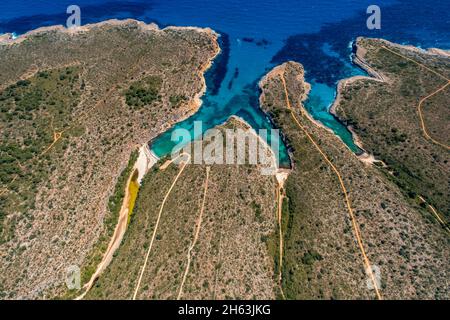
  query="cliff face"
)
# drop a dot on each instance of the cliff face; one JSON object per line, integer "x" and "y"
{"x": 328, "y": 235}
{"x": 73, "y": 107}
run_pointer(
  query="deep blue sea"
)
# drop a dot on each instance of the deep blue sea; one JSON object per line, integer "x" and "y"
{"x": 257, "y": 35}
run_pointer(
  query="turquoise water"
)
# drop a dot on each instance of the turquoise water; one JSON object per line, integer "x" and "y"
{"x": 261, "y": 34}
{"x": 238, "y": 99}
{"x": 318, "y": 104}
{"x": 253, "y": 58}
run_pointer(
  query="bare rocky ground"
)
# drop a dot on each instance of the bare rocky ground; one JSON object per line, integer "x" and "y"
{"x": 53, "y": 212}
{"x": 230, "y": 259}
{"x": 322, "y": 259}
{"x": 106, "y": 99}
{"x": 406, "y": 247}
{"x": 384, "y": 114}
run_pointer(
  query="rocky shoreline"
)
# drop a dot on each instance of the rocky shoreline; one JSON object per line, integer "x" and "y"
{"x": 9, "y": 39}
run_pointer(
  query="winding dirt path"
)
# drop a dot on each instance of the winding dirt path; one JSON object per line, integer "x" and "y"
{"x": 280, "y": 197}
{"x": 197, "y": 231}
{"x": 344, "y": 189}
{"x": 56, "y": 136}
{"x": 183, "y": 165}
{"x": 115, "y": 241}
{"x": 419, "y": 106}
{"x": 436, "y": 214}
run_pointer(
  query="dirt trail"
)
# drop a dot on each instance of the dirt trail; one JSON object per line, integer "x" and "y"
{"x": 197, "y": 231}
{"x": 115, "y": 241}
{"x": 436, "y": 214}
{"x": 344, "y": 189}
{"x": 183, "y": 165}
{"x": 419, "y": 107}
{"x": 280, "y": 198}
{"x": 422, "y": 121}
{"x": 56, "y": 136}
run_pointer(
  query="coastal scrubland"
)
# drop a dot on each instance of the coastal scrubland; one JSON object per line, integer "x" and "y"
{"x": 74, "y": 104}
{"x": 406, "y": 247}
{"x": 385, "y": 116}
{"x": 229, "y": 260}
{"x": 109, "y": 223}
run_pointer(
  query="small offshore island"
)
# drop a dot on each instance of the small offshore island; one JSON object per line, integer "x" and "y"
{"x": 81, "y": 187}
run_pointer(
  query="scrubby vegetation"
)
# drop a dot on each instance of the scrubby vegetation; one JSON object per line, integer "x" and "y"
{"x": 176, "y": 100}
{"x": 229, "y": 260}
{"x": 385, "y": 117}
{"x": 31, "y": 111}
{"x": 67, "y": 134}
{"x": 321, "y": 257}
{"x": 110, "y": 220}
{"x": 144, "y": 92}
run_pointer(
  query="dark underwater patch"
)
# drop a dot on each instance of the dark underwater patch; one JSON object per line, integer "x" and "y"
{"x": 89, "y": 14}
{"x": 215, "y": 75}
{"x": 398, "y": 24}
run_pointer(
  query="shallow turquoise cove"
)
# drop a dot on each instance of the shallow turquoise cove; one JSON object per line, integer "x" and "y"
{"x": 261, "y": 34}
